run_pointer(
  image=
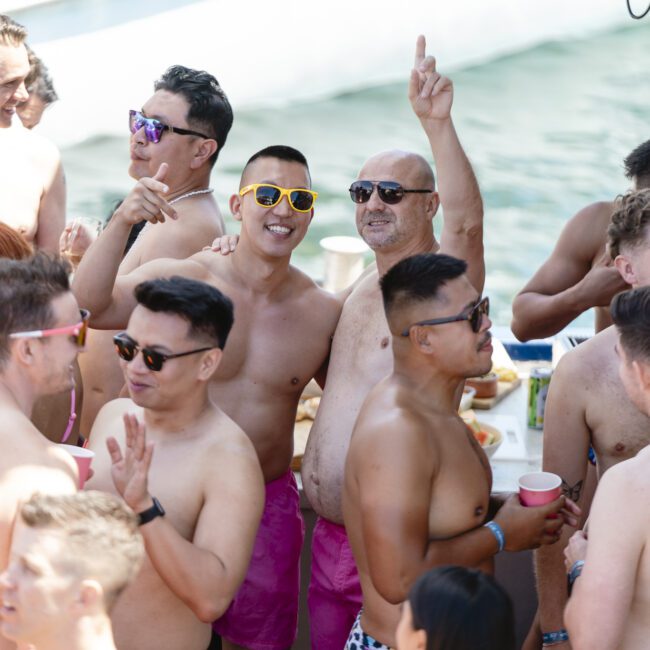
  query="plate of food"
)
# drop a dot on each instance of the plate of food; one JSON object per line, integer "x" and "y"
{"x": 489, "y": 437}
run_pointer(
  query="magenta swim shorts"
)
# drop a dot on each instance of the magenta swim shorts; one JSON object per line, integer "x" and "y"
{"x": 264, "y": 612}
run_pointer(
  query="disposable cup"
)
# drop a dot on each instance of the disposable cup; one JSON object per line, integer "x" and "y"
{"x": 83, "y": 457}
{"x": 539, "y": 488}
{"x": 343, "y": 261}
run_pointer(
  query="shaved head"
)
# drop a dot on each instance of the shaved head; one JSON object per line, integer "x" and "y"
{"x": 401, "y": 166}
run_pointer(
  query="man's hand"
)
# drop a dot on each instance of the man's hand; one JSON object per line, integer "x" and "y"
{"x": 225, "y": 244}
{"x": 526, "y": 528}
{"x": 130, "y": 471}
{"x": 601, "y": 283}
{"x": 576, "y": 549}
{"x": 146, "y": 201}
{"x": 75, "y": 240}
{"x": 430, "y": 94}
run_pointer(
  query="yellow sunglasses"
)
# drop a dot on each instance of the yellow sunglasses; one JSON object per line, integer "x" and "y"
{"x": 267, "y": 196}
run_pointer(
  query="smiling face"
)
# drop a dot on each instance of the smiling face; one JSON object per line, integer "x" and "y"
{"x": 38, "y": 590}
{"x": 14, "y": 68}
{"x": 179, "y": 378}
{"x": 274, "y": 231}
{"x": 54, "y": 368}
{"x": 175, "y": 149}
{"x": 385, "y": 226}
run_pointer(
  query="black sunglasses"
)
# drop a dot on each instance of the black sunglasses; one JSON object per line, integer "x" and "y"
{"x": 153, "y": 128}
{"x": 389, "y": 191}
{"x": 474, "y": 315}
{"x": 127, "y": 349}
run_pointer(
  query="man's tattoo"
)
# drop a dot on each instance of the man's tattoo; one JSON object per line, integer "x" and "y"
{"x": 572, "y": 492}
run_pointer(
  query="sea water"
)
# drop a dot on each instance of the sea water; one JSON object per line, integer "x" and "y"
{"x": 546, "y": 129}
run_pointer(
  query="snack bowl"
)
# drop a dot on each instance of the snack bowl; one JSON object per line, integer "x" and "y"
{"x": 497, "y": 439}
{"x": 468, "y": 397}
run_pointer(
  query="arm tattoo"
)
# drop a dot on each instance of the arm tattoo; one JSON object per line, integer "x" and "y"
{"x": 572, "y": 491}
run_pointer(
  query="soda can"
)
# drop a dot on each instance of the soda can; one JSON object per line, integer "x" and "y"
{"x": 540, "y": 378}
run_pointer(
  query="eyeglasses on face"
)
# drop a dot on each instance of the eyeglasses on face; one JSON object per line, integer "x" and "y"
{"x": 474, "y": 315}
{"x": 127, "y": 349}
{"x": 153, "y": 128}
{"x": 389, "y": 191}
{"x": 77, "y": 332}
{"x": 267, "y": 196}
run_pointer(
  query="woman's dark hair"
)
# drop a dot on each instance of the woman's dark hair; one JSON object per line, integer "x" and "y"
{"x": 462, "y": 609}
{"x": 208, "y": 312}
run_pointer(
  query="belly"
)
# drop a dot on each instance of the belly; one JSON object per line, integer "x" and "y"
{"x": 148, "y": 616}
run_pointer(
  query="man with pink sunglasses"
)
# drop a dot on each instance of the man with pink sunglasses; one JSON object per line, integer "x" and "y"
{"x": 41, "y": 332}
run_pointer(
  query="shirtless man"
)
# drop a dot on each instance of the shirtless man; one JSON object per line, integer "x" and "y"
{"x": 280, "y": 340}
{"x": 609, "y": 605}
{"x": 579, "y": 274}
{"x": 394, "y": 228}
{"x": 71, "y": 556}
{"x": 30, "y": 165}
{"x": 192, "y": 103}
{"x": 587, "y": 405}
{"x": 198, "y": 552}
{"x": 416, "y": 491}
{"x": 39, "y": 320}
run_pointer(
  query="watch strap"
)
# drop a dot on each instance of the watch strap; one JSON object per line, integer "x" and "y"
{"x": 150, "y": 514}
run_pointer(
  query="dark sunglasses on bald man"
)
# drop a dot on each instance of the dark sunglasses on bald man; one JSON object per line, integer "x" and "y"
{"x": 389, "y": 191}
{"x": 127, "y": 349}
{"x": 153, "y": 128}
{"x": 473, "y": 314}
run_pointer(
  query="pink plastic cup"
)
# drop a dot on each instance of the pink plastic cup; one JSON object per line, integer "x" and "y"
{"x": 83, "y": 457}
{"x": 539, "y": 488}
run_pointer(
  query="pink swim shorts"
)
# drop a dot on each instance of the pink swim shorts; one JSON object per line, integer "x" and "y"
{"x": 264, "y": 613}
{"x": 334, "y": 590}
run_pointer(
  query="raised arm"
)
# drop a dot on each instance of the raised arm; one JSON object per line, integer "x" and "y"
{"x": 204, "y": 572}
{"x": 602, "y": 597}
{"x": 566, "y": 285}
{"x": 431, "y": 97}
{"x": 395, "y": 483}
{"x": 51, "y": 210}
{"x": 566, "y": 446}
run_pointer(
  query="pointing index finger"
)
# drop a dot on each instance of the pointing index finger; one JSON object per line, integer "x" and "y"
{"x": 420, "y": 49}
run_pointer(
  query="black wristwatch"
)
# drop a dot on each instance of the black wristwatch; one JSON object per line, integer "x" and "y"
{"x": 149, "y": 514}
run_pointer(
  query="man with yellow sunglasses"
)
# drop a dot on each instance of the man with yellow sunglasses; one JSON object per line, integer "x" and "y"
{"x": 280, "y": 340}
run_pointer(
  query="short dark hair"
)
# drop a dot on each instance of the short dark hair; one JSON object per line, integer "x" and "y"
{"x": 27, "y": 288}
{"x": 210, "y": 110}
{"x": 38, "y": 81}
{"x": 11, "y": 32}
{"x": 462, "y": 608}
{"x": 418, "y": 278}
{"x": 281, "y": 152}
{"x": 637, "y": 164}
{"x": 208, "y": 311}
{"x": 631, "y": 314}
{"x": 629, "y": 222}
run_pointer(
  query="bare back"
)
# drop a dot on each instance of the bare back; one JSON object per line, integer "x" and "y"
{"x": 361, "y": 356}
{"x": 420, "y": 479}
{"x": 199, "y": 223}
{"x": 148, "y": 615}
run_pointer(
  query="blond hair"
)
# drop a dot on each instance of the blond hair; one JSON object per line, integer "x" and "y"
{"x": 100, "y": 534}
{"x": 627, "y": 228}
{"x": 11, "y": 32}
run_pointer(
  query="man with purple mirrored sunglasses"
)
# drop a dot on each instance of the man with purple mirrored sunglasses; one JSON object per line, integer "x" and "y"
{"x": 176, "y": 137}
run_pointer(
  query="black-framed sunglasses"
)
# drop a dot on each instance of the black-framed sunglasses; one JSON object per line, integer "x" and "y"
{"x": 127, "y": 349}
{"x": 474, "y": 315}
{"x": 389, "y": 191}
{"x": 153, "y": 128}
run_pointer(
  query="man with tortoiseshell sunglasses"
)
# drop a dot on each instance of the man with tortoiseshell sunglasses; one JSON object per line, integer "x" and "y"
{"x": 176, "y": 138}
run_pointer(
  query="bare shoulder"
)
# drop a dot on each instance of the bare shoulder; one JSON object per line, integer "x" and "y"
{"x": 304, "y": 290}
{"x": 587, "y": 229}
{"x": 109, "y": 420}
{"x": 45, "y": 151}
{"x": 626, "y": 485}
